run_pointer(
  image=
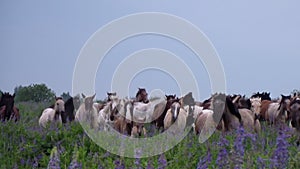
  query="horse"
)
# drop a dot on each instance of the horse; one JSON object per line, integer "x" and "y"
{"x": 241, "y": 102}
{"x": 295, "y": 116}
{"x": 104, "y": 116}
{"x": 210, "y": 117}
{"x": 278, "y": 112}
{"x": 176, "y": 119}
{"x": 110, "y": 95}
{"x": 146, "y": 113}
{"x": 159, "y": 122}
{"x": 141, "y": 95}
{"x": 263, "y": 95}
{"x": 222, "y": 107}
{"x": 171, "y": 115}
{"x": 52, "y": 114}
{"x": 255, "y": 107}
{"x": 265, "y": 102}
{"x": 71, "y": 106}
{"x": 87, "y": 112}
{"x": 9, "y": 112}
{"x": 124, "y": 122}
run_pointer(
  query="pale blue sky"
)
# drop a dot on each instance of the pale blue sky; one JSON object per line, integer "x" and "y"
{"x": 257, "y": 41}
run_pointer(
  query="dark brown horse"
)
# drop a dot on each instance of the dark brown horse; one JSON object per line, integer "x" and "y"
{"x": 159, "y": 122}
{"x": 8, "y": 110}
{"x": 141, "y": 95}
{"x": 295, "y": 116}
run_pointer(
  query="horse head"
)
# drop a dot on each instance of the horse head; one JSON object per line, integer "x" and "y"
{"x": 8, "y": 101}
{"x": 255, "y": 105}
{"x": 142, "y": 95}
{"x": 175, "y": 109}
{"x": 88, "y": 102}
{"x": 59, "y": 108}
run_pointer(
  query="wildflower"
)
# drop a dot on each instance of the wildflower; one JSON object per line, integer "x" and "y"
{"x": 222, "y": 159}
{"x": 260, "y": 163}
{"x": 162, "y": 162}
{"x": 54, "y": 162}
{"x": 119, "y": 165}
{"x": 239, "y": 151}
{"x": 203, "y": 163}
{"x": 281, "y": 155}
{"x": 75, "y": 164}
{"x": 149, "y": 165}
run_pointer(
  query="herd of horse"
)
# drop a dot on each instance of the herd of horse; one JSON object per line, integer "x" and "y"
{"x": 129, "y": 116}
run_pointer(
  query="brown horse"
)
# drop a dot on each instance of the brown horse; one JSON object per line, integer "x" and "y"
{"x": 9, "y": 112}
{"x": 159, "y": 122}
{"x": 279, "y": 112}
{"x": 222, "y": 108}
{"x": 141, "y": 95}
{"x": 295, "y": 116}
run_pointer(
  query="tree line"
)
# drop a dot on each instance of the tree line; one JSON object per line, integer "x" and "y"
{"x": 42, "y": 93}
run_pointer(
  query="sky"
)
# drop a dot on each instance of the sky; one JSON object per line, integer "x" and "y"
{"x": 257, "y": 42}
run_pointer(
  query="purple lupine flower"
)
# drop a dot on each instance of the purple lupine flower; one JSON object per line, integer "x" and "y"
{"x": 204, "y": 163}
{"x": 23, "y": 161}
{"x": 35, "y": 163}
{"x": 239, "y": 151}
{"x": 149, "y": 165}
{"x": 137, "y": 161}
{"x": 223, "y": 158}
{"x": 75, "y": 164}
{"x": 54, "y": 162}
{"x": 281, "y": 154}
{"x": 119, "y": 164}
{"x": 162, "y": 162}
{"x": 260, "y": 163}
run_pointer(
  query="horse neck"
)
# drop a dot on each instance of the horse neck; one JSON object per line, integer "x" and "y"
{"x": 282, "y": 107}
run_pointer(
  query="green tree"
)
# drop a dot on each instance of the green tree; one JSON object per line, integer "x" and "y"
{"x": 34, "y": 92}
{"x": 65, "y": 96}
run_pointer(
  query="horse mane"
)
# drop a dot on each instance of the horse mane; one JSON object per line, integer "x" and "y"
{"x": 140, "y": 91}
{"x": 283, "y": 98}
{"x": 263, "y": 95}
{"x": 69, "y": 102}
{"x": 233, "y": 110}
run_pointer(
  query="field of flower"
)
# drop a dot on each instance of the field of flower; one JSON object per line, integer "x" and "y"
{"x": 25, "y": 145}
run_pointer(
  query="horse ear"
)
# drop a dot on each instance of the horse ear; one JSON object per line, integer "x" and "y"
{"x": 14, "y": 95}
{"x": 83, "y": 95}
{"x": 107, "y": 93}
{"x": 174, "y": 95}
{"x": 93, "y": 96}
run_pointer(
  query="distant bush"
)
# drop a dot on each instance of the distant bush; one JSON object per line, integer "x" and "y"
{"x": 34, "y": 92}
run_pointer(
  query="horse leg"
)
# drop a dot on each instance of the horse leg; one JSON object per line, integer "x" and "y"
{"x": 145, "y": 132}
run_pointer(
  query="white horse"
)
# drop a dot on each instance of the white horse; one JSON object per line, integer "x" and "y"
{"x": 87, "y": 112}
{"x": 104, "y": 116}
{"x": 51, "y": 115}
{"x": 145, "y": 113}
{"x": 255, "y": 106}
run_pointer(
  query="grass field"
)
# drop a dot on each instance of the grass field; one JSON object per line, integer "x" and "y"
{"x": 25, "y": 145}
